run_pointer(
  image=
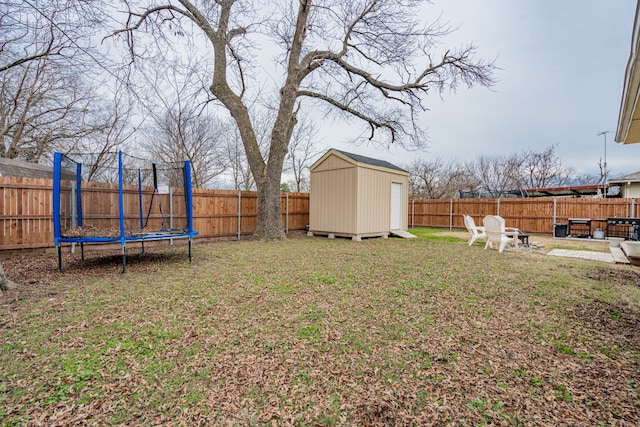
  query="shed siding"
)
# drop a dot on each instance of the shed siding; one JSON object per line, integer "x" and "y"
{"x": 374, "y": 200}
{"x": 333, "y": 199}
{"x": 374, "y": 197}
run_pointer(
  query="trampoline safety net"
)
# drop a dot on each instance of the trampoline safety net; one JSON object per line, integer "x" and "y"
{"x": 111, "y": 197}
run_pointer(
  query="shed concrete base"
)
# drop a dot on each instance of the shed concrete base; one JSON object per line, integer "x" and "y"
{"x": 354, "y": 237}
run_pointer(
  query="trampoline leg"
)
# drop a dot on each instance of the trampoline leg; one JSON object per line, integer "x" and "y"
{"x": 189, "y": 250}
{"x": 59, "y": 249}
{"x": 143, "y": 246}
{"x": 82, "y": 251}
{"x": 124, "y": 259}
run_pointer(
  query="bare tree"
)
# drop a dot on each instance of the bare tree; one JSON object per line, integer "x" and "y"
{"x": 238, "y": 166}
{"x": 302, "y": 149}
{"x": 187, "y": 134}
{"x": 45, "y": 63}
{"x": 436, "y": 179}
{"x": 33, "y": 30}
{"x": 541, "y": 169}
{"x": 515, "y": 171}
{"x": 370, "y": 60}
{"x": 112, "y": 120}
{"x": 494, "y": 174}
{"x": 42, "y": 101}
{"x": 237, "y": 163}
{"x": 43, "y": 105}
{"x": 603, "y": 171}
{"x": 586, "y": 179}
{"x": 182, "y": 124}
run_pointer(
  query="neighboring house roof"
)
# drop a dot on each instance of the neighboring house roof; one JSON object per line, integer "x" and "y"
{"x": 628, "y": 130}
{"x": 20, "y": 168}
{"x": 574, "y": 190}
{"x": 632, "y": 177}
{"x": 360, "y": 159}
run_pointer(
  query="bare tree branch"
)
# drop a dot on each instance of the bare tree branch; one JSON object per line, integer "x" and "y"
{"x": 344, "y": 107}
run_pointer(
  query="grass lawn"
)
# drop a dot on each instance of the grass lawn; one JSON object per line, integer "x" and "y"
{"x": 323, "y": 332}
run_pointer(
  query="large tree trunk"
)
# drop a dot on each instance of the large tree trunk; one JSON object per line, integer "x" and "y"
{"x": 269, "y": 223}
{"x": 5, "y": 284}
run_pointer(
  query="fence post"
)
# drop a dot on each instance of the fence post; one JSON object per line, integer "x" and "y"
{"x": 498, "y": 202}
{"x": 555, "y": 208}
{"x": 633, "y": 208}
{"x": 450, "y": 214}
{"x": 413, "y": 212}
{"x": 239, "y": 213}
{"x": 171, "y": 213}
{"x": 286, "y": 229}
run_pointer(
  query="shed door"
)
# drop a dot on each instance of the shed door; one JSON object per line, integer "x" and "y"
{"x": 396, "y": 206}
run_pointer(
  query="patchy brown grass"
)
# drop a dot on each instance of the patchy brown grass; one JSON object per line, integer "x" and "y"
{"x": 320, "y": 332}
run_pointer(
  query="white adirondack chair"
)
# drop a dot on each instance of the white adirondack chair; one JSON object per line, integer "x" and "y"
{"x": 475, "y": 231}
{"x": 497, "y": 233}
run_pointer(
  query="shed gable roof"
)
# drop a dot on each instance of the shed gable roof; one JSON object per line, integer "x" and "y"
{"x": 360, "y": 160}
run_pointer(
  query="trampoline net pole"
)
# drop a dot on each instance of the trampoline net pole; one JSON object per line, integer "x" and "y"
{"x": 124, "y": 259}
{"x": 59, "y": 248}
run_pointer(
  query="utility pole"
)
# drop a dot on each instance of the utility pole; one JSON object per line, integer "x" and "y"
{"x": 604, "y": 181}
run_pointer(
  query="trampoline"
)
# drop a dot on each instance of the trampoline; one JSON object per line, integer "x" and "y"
{"x": 115, "y": 198}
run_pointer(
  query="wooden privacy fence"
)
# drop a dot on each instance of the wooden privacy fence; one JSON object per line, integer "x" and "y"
{"x": 27, "y": 217}
{"x": 27, "y": 222}
{"x": 534, "y": 215}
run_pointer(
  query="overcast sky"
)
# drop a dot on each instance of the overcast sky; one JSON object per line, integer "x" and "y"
{"x": 562, "y": 65}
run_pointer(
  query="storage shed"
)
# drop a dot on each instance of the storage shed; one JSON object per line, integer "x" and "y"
{"x": 357, "y": 196}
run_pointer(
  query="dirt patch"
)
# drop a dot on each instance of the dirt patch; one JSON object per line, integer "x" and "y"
{"x": 616, "y": 277}
{"x": 37, "y": 271}
{"x": 612, "y": 323}
{"x": 616, "y": 323}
